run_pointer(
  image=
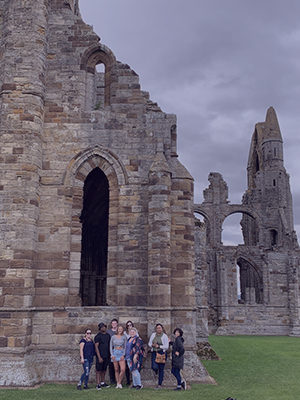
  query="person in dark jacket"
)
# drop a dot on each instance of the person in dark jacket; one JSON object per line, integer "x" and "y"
{"x": 177, "y": 358}
{"x": 134, "y": 356}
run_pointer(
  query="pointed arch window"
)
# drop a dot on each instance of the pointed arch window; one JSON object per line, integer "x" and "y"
{"x": 249, "y": 285}
{"x": 94, "y": 243}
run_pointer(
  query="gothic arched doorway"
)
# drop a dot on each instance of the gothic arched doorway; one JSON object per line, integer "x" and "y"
{"x": 94, "y": 241}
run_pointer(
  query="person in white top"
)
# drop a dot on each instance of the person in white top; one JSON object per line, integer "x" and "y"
{"x": 159, "y": 344}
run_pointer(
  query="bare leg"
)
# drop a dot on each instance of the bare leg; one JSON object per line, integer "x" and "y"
{"x": 98, "y": 377}
{"x": 116, "y": 367}
{"x": 122, "y": 370}
{"x": 103, "y": 376}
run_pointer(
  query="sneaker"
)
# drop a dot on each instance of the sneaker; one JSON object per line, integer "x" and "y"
{"x": 178, "y": 388}
{"x": 158, "y": 388}
{"x": 139, "y": 387}
{"x": 133, "y": 387}
{"x": 78, "y": 387}
{"x": 85, "y": 387}
{"x": 104, "y": 385}
{"x": 183, "y": 385}
{"x": 98, "y": 387}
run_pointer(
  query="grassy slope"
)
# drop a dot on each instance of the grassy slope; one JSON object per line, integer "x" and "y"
{"x": 252, "y": 367}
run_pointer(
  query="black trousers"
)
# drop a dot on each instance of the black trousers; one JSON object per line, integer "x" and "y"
{"x": 112, "y": 375}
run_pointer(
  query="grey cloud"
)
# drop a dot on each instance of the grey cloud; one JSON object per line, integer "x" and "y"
{"x": 218, "y": 65}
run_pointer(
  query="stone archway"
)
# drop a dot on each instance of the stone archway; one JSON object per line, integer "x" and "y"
{"x": 75, "y": 177}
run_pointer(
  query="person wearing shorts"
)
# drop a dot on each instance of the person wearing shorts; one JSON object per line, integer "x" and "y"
{"x": 117, "y": 351}
{"x": 102, "y": 342}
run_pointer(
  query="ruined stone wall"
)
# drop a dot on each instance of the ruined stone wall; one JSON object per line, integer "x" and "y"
{"x": 54, "y": 133}
{"x": 268, "y": 262}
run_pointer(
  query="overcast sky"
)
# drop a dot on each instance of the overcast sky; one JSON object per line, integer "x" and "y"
{"x": 218, "y": 65}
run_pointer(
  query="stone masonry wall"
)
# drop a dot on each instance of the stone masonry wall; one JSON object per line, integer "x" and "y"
{"x": 54, "y": 133}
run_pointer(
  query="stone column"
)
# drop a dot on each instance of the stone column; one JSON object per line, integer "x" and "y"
{"x": 22, "y": 69}
{"x": 223, "y": 314}
{"x": 293, "y": 294}
{"x": 159, "y": 247}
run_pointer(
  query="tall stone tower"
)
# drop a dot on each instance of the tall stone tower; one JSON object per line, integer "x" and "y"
{"x": 96, "y": 209}
{"x": 252, "y": 288}
{"x": 268, "y": 185}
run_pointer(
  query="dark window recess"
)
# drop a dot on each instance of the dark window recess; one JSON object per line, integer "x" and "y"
{"x": 94, "y": 242}
{"x": 251, "y": 287}
{"x": 274, "y": 237}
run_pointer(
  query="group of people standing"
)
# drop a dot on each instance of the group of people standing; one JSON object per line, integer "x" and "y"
{"x": 123, "y": 351}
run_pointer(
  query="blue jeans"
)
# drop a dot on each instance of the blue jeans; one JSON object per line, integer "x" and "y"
{"x": 158, "y": 367}
{"x": 136, "y": 377}
{"x": 88, "y": 362}
{"x": 176, "y": 372}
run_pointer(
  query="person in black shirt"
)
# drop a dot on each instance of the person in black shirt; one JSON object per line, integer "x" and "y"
{"x": 102, "y": 340}
{"x": 112, "y": 331}
{"x": 87, "y": 352}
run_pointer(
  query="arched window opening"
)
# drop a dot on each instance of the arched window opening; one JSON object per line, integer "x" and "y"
{"x": 231, "y": 230}
{"x": 274, "y": 237}
{"x": 99, "y": 87}
{"x": 274, "y": 182}
{"x": 249, "y": 284}
{"x": 238, "y": 280}
{"x": 100, "y": 68}
{"x": 250, "y": 230}
{"x": 240, "y": 228}
{"x": 202, "y": 230}
{"x": 274, "y": 151}
{"x": 95, "y": 87}
{"x": 97, "y": 62}
{"x": 94, "y": 242}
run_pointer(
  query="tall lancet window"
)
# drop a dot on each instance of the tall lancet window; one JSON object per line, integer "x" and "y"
{"x": 94, "y": 242}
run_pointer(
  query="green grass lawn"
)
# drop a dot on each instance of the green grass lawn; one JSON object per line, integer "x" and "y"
{"x": 252, "y": 367}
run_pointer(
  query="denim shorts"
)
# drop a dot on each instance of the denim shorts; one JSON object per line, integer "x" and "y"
{"x": 118, "y": 354}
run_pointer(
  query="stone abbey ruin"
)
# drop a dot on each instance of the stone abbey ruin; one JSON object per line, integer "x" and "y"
{"x": 97, "y": 212}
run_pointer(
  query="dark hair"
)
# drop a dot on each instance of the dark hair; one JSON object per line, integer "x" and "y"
{"x": 126, "y": 326}
{"x": 114, "y": 319}
{"x": 100, "y": 325}
{"x": 178, "y": 330}
{"x": 161, "y": 327}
